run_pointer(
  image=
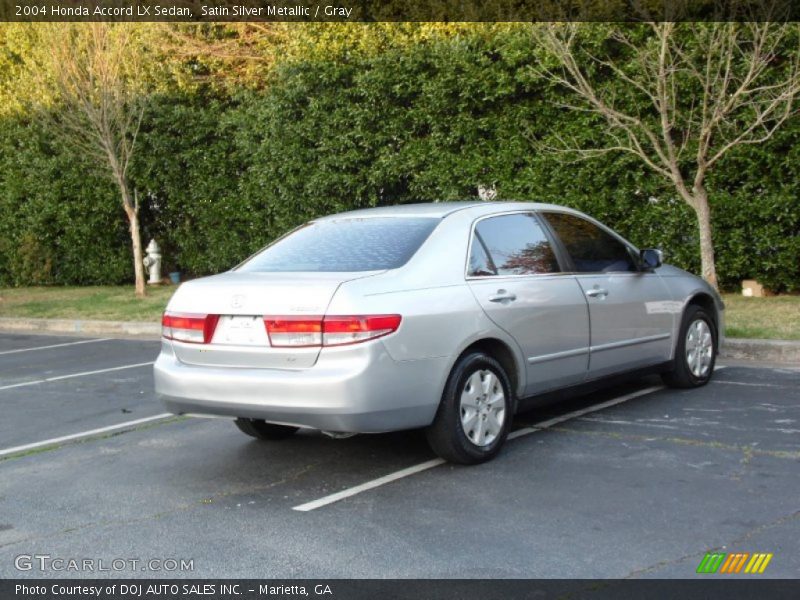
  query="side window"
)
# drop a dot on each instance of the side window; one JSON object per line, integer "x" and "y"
{"x": 516, "y": 245}
{"x": 592, "y": 250}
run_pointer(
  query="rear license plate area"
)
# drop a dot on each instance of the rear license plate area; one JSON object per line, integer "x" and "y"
{"x": 238, "y": 330}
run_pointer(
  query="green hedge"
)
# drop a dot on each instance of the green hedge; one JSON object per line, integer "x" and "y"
{"x": 224, "y": 173}
{"x": 60, "y": 221}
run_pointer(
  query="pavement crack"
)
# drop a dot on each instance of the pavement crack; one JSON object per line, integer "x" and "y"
{"x": 664, "y": 563}
{"x": 744, "y": 463}
{"x": 763, "y": 527}
{"x": 748, "y": 450}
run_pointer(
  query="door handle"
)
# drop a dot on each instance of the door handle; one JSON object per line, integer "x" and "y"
{"x": 597, "y": 293}
{"x": 502, "y": 296}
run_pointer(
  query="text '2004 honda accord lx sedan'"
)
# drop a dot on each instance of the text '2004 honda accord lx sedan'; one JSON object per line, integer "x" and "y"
{"x": 437, "y": 315}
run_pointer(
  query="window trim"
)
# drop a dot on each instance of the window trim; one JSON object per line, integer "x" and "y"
{"x": 474, "y": 235}
{"x": 489, "y": 259}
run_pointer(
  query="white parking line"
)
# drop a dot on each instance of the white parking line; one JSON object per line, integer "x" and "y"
{"x": 82, "y": 434}
{"x": 72, "y": 375}
{"x": 369, "y": 485}
{"x": 54, "y": 346}
{"x": 349, "y": 492}
{"x": 773, "y": 385}
{"x": 584, "y": 411}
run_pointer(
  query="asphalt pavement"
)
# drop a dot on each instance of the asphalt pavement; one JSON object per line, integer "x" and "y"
{"x": 636, "y": 480}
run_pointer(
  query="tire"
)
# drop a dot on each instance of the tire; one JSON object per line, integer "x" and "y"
{"x": 265, "y": 431}
{"x": 696, "y": 351}
{"x": 467, "y": 433}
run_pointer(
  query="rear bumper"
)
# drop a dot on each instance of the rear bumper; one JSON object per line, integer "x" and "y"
{"x": 356, "y": 388}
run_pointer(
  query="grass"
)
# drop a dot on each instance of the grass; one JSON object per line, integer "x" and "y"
{"x": 772, "y": 317}
{"x": 106, "y": 303}
{"x": 776, "y": 317}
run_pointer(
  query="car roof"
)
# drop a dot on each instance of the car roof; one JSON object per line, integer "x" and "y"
{"x": 442, "y": 209}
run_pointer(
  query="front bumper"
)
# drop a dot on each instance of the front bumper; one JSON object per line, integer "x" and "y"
{"x": 357, "y": 388}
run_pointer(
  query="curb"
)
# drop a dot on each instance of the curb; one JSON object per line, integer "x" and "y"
{"x": 782, "y": 351}
{"x": 146, "y": 329}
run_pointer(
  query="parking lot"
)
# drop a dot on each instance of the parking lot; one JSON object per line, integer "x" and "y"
{"x": 633, "y": 481}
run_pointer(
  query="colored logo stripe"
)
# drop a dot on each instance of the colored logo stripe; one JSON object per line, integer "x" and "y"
{"x": 734, "y": 563}
{"x": 721, "y": 562}
{"x": 758, "y": 563}
{"x": 711, "y": 562}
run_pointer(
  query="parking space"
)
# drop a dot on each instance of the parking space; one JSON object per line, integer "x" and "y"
{"x": 53, "y": 357}
{"x": 633, "y": 481}
{"x": 55, "y": 386}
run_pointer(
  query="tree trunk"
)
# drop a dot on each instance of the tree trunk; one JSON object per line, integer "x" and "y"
{"x": 138, "y": 264}
{"x": 132, "y": 211}
{"x": 131, "y": 206}
{"x": 703, "y": 211}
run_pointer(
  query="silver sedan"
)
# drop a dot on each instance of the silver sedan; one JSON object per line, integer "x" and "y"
{"x": 444, "y": 316}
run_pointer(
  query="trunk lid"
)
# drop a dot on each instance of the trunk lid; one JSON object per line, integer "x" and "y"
{"x": 242, "y": 299}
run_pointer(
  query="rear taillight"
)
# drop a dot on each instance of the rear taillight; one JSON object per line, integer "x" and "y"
{"x": 189, "y": 327}
{"x": 296, "y": 332}
{"x": 350, "y": 330}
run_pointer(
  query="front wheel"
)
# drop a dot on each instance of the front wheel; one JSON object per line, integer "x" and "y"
{"x": 475, "y": 413}
{"x": 696, "y": 352}
{"x": 264, "y": 431}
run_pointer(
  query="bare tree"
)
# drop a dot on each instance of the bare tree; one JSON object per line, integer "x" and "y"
{"x": 678, "y": 96}
{"x": 233, "y": 53}
{"x": 94, "y": 67}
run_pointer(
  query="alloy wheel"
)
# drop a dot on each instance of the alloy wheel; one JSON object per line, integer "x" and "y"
{"x": 483, "y": 408}
{"x": 699, "y": 348}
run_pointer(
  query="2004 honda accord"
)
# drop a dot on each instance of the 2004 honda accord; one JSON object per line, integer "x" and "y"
{"x": 439, "y": 315}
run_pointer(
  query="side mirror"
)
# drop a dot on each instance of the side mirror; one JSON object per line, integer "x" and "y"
{"x": 651, "y": 258}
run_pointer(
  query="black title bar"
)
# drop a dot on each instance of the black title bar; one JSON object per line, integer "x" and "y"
{"x": 708, "y": 588}
{"x": 399, "y": 10}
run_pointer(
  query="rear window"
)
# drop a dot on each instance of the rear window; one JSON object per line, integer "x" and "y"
{"x": 371, "y": 244}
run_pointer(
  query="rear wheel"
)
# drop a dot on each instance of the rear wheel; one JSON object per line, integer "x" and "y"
{"x": 696, "y": 352}
{"x": 475, "y": 413}
{"x": 265, "y": 431}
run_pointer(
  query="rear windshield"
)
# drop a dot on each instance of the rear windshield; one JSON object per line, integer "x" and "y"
{"x": 371, "y": 244}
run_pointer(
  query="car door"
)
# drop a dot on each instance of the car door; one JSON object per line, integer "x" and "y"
{"x": 629, "y": 329}
{"x": 515, "y": 276}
